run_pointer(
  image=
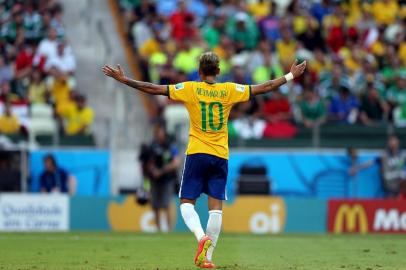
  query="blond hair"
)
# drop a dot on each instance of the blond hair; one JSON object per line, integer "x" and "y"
{"x": 209, "y": 63}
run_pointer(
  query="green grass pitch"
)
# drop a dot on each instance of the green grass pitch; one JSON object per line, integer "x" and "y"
{"x": 125, "y": 251}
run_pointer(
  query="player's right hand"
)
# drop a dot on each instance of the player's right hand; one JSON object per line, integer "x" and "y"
{"x": 298, "y": 69}
{"x": 117, "y": 74}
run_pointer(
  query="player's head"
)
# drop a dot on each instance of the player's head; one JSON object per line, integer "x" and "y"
{"x": 209, "y": 64}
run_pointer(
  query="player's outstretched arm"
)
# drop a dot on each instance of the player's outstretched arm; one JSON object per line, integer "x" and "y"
{"x": 295, "y": 71}
{"x": 118, "y": 74}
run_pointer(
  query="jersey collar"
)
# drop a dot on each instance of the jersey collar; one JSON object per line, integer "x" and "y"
{"x": 209, "y": 82}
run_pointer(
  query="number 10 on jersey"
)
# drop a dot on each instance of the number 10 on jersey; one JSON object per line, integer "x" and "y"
{"x": 211, "y": 108}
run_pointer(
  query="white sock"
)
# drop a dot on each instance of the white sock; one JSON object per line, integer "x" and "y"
{"x": 213, "y": 229}
{"x": 192, "y": 219}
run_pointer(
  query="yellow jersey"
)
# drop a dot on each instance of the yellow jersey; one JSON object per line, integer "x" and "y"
{"x": 9, "y": 124}
{"x": 208, "y": 105}
{"x": 77, "y": 119}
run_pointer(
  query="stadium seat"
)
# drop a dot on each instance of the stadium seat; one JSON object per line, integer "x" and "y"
{"x": 42, "y": 123}
{"x": 253, "y": 180}
{"x": 41, "y": 111}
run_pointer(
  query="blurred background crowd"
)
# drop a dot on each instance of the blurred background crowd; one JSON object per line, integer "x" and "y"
{"x": 38, "y": 92}
{"x": 356, "y": 51}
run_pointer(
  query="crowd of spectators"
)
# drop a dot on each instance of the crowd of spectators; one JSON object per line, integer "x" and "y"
{"x": 37, "y": 68}
{"x": 356, "y": 51}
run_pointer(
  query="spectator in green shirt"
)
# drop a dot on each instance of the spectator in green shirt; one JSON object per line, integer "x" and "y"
{"x": 9, "y": 31}
{"x": 32, "y": 23}
{"x": 399, "y": 116}
{"x": 390, "y": 71}
{"x": 330, "y": 82}
{"x": 396, "y": 94}
{"x": 312, "y": 108}
{"x": 373, "y": 108}
{"x": 212, "y": 33}
{"x": 243, "y": 31}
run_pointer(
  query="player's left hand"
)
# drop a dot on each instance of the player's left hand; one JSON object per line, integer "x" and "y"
{"x": 117, "y": 74}
{"x": 298, "y": 69}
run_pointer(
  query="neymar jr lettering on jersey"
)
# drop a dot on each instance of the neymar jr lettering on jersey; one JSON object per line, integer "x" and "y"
{"x": 210, "y": 93}
{"x": 209, "y": 106}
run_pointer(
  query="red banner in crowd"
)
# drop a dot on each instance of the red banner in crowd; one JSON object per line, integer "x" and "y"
{"x": 366, "y": 216}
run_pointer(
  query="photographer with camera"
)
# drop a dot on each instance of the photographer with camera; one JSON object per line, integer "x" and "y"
{"x": 160, "y": 162}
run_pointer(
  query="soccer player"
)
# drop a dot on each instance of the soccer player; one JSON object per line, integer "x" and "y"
{"x": 206, "y": 166}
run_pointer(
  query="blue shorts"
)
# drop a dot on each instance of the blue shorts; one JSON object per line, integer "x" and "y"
{"x": 204, "y": 173}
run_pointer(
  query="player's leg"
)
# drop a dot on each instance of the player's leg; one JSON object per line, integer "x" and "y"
{"x": 217, "y": 193}
{"x": 191, "y": 218}
{"x": 190, "y": 189}
{"x": 214, "y": 223}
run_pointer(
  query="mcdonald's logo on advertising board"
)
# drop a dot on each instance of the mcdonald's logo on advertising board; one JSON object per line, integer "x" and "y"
{"x": 350, "y": 218}
{"x": 366, "y": 216}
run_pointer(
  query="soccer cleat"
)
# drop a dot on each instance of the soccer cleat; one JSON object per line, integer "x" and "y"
{"x": 202, "y": 248}
{"x": 208, "y": 264}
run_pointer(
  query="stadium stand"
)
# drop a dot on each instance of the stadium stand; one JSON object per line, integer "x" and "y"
{"x": 38, "y": 95}
{"x": 356, "y": 80}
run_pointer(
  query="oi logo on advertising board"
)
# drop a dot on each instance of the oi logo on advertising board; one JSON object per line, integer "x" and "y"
{"x": 254, "y": 214}
{"x": 246, "y": 214}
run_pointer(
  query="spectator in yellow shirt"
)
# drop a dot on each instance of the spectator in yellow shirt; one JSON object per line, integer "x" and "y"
{"x": 385, "y": 11}
{"x": 186, "y": 58}
{"x": 9, "y": 123}
{"x": 80, "y": 118}
{"x": 37, "y": 90}
{"x": 151, "y": 45}
{"x": 353, "y": 58}
{"x": 286, "y": 47}
{"x": 59, "y": 88}
{"x": 402, "y": 53}
{"x": 320, "y": 63}
{"x": 63, "y": 109}
{"x": 260, "y": 8}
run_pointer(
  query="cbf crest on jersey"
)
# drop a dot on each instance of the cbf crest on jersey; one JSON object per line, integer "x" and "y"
{"x": 240, "y": 87}
{"x": 179, "y": 86}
